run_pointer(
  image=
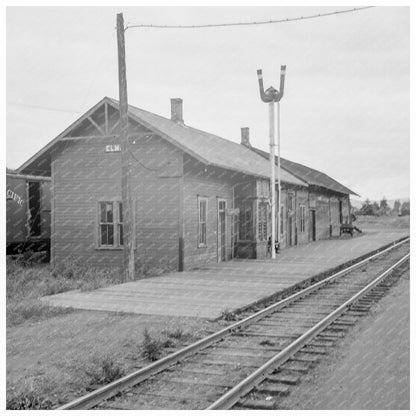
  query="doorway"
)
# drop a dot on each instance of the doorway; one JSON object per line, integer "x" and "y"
{"x": 313, "y": 224}
{"x": 290, "y": 219}
{"x": 221, "y": 231}
{"x": 34, "y": 197}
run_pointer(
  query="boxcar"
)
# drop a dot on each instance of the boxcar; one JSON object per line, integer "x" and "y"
{"x": 28, "y": 215}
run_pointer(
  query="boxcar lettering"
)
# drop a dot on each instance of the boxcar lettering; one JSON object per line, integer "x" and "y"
{"x": 13, "y": 196}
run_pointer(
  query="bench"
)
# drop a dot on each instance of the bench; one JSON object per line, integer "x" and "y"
{"x": 346, "y": 229}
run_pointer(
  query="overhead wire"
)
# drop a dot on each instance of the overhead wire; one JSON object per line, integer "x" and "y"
{"x": 41, "y": 107}
{"x": 265, "y": 22}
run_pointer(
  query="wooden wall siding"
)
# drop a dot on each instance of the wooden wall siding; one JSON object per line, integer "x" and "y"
{"x": 334, "y": 201}
{"x": 345, "y": 209}
{"x": 86, "y": 174}
{"x": 211, "y": 183}
{"x": 322, "y": 217}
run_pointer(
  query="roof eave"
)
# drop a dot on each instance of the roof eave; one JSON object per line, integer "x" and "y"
{"x": 52, "y": 143}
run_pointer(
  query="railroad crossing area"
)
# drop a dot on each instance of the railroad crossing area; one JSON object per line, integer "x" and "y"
{"x": 213, "y": 289}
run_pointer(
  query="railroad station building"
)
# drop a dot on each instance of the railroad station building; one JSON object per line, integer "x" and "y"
{"x": 198, "y": 198}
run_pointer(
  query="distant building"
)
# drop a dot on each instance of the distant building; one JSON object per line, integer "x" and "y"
{"x": 198, "y": 198}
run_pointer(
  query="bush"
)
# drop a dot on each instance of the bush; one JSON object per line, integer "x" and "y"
{"x": 105, "y": 371}
{"x": 69, "y": 269}
{"x": 29, "y": 400}
{"x": 227, "y": 315}
{"x": 30, "y": 258}
{"x": 177, "y": 333}
{"x": 168, "y": 343}
{"x": 152, "y": 348}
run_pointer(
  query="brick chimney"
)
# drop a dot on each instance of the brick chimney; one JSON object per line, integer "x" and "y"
{"x": 176, "y": 110}
{"x": 245, "y": 136}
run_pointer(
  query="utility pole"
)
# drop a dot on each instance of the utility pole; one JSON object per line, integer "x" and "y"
{"x": 128, "y": 214}
{"x": 271, "y": 96}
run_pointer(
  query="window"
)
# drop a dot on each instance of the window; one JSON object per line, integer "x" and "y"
{"x": 302, "y": 218}
{"x": 245, "y": 230}
{"x": 262, "y": 221}
{"x": 290, "y": 202}
{"x": 106, "y": 224}
{"x": 110, "y": 223}
{"x": 202, "y": 221}
{"x": 282, "y": 210}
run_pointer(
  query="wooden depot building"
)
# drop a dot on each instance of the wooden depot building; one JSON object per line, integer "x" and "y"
{"x": 198, "y": 198}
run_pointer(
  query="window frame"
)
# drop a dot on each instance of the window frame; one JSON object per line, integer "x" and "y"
{"x": 202, "y": 224}
{"x": 302, "y": 218}
{"x": 117, "y": 224}
{"x": 120, "y": 223}
{"x": 262, "y": 221}
{"x": 246, "y": 229}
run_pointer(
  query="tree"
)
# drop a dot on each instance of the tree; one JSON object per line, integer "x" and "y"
{"x": 367, "y": 208}
{"x": 396, "y": 207}
{"x": 376, "y": 208}
{"x": 406, "y": 208}
{"x": 384, "y": 208}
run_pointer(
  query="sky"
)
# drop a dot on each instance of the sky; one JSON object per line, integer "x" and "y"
{"x": 345, "y": 110}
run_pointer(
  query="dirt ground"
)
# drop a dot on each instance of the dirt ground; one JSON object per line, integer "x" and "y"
{"x": 55, "y": 357}
{"x": 369, "y": 369}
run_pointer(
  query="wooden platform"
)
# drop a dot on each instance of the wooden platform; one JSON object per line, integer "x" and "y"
{"x": 207, "y": 292}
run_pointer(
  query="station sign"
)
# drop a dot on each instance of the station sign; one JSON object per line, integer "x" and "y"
{"x": 112, "y": 148}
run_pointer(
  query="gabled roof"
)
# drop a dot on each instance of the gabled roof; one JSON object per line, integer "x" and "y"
{"x": 311, "y": 176}
{"x": 205, "y": 147}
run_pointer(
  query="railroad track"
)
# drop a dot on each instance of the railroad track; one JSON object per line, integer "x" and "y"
{"x": 252, "y": 362}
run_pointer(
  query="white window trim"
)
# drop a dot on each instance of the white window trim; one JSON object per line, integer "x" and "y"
{"x": 116, "y": 222}
{"x": 202, "y": 199}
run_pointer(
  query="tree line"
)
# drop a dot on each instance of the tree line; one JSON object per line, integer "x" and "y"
{"x": 382, "y": 208}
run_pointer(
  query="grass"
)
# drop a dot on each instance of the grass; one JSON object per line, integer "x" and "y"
{"x": 28, "y": 279}
{"x": 373, "y": 222}
{"x": 28, "y": 400}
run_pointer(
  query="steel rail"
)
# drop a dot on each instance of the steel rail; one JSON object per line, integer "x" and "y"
{"x": 105, "y": 392}
{"x": 244, "y": 387}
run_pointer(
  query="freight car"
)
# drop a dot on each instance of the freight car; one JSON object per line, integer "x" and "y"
{"x": 28, "y": 215}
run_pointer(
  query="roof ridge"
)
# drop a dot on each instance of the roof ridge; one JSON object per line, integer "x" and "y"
{"x": 181, "y": 125}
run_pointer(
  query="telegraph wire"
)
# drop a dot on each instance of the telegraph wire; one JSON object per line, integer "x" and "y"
{"x": 265, "y": 22}
{"x": 40, "y": 107}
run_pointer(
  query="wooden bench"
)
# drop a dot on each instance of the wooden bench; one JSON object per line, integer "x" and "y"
{"x": 346, "y": 229}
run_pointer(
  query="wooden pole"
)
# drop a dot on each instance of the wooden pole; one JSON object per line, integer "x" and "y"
{"x": 128, "y": 249}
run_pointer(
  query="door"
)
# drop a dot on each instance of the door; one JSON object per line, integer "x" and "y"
{"x": 290, "y": 219}
{"x": 221, "y": 231}
{"x": 34, "y": 200}
{"x": 312, "y": 223}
